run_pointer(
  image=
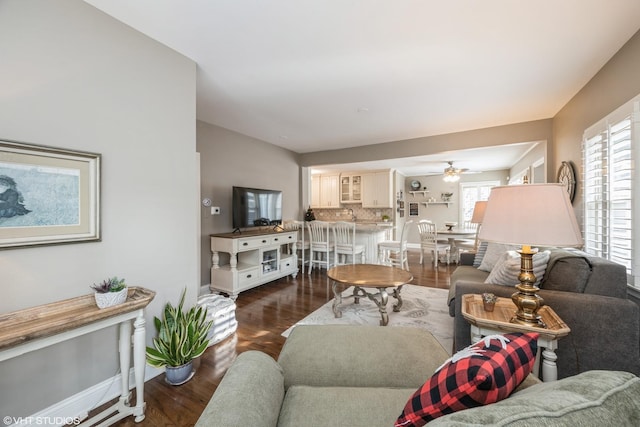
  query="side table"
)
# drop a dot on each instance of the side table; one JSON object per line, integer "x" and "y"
{"x": 498, "y": 322}
{"x": 38, "y": 327}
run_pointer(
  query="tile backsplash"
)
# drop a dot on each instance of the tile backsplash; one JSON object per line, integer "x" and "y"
{"x": 344, "y": 213}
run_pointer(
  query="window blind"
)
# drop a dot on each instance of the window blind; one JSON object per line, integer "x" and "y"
{"x": 609, "y": 188}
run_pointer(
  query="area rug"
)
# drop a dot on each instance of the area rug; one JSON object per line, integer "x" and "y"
{"x": 422, "y": 307}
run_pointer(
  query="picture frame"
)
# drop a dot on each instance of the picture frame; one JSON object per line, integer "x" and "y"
{"x": 413, "y": 209}
{"x": 48, "y": 195}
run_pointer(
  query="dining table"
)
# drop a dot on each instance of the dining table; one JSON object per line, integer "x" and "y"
{"x": 456, "y": 233}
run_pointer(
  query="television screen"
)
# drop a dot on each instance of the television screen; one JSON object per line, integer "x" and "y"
{"x": 253, "y": 207}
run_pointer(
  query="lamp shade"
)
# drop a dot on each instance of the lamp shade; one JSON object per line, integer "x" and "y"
{"x": 478, "y": 212}
{"x": 530, "y": 214}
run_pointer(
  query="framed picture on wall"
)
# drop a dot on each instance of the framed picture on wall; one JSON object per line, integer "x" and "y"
{"x": 48, "y": 195}
{"x": 413, "y": 209}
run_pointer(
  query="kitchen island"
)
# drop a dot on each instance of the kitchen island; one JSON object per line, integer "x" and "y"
{"x": 370, "y": 234}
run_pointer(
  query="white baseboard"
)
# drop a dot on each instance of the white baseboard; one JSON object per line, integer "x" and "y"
{"x": 204, "y": 290}
{"x": 76, "y": 408}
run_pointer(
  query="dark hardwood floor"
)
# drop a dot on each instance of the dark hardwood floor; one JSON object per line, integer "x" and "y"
{"x": 263, "y": 313}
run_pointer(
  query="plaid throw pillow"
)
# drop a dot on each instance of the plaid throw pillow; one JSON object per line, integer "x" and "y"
{"x": 482, "y": 373}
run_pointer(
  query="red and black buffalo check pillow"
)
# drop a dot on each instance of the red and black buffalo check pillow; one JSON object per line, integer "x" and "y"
{"x": 482, "y": 373}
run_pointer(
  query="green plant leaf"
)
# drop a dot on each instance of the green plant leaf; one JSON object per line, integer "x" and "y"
{"x": 182, "y": 335}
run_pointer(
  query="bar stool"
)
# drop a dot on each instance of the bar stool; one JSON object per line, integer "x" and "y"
{"x": 321, "y": 245}
{"x": 344, "y": 237}
{"x": 397, "y": 248}
{"x": 302, "y": 244}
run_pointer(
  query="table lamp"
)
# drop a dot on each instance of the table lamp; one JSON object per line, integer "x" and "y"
{"x": 477, "y": 217}
{"x": 531, "y": 214}
{"x": 478, "y": 212}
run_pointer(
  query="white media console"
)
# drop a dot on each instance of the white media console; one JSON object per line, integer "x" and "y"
{"x": 254, "y": 258}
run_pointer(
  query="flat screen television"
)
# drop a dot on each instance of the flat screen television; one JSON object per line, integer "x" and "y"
{"x": 254, "y": 207}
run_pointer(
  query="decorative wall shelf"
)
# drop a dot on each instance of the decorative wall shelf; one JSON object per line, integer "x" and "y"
{"x": 436, "y": 203}
{"x": 423, "y": 192}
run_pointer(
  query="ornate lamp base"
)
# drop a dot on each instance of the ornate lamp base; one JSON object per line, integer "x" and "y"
{"x": 526, "y": 299}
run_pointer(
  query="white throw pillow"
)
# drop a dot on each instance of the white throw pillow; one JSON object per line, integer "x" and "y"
{"x": 482, "y": 249}
{"x": 506, "y": 272}
{"x": 493, "y": 254}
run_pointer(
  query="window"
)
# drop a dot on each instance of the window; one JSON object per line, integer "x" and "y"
{"x": 610, "y": 188}
{"x": 473, "y": 192}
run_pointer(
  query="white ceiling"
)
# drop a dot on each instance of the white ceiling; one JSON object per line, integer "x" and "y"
{"x": 314, "y": 75}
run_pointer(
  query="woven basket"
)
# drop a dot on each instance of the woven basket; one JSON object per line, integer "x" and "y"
{"x": 111, "y": 298}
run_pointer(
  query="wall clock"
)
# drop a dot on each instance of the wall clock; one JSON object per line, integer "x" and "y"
{"x": 415, "y": 185}
{"x": 567, "y": 177}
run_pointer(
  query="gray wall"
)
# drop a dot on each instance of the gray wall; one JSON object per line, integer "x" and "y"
{"x": 228, "y": 158}
{"x": 440, "y": 214}
{"x": 539, "y": 130}
{"x": 72, "y": 77}
{"x": 616, "y": 83}
{"x": 538, "y": 152}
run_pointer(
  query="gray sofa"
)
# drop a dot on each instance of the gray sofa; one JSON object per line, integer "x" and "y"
{"x": 364, "y": 375}
{"x": 588, "y": 293}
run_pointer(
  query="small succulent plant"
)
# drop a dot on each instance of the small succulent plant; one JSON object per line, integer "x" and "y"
{"x": 489, "y": 298}
{"x": 112, "y": 284}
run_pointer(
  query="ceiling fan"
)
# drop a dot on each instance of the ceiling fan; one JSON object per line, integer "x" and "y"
{"x": 452, "y": 174}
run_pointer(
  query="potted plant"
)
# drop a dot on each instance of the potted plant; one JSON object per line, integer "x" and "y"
{"x": 446, "y": 197}
{"x": 110, "y": 292}
{"x": 489, "y": 301}
{"x": 385, "y": 218}
{"x": 182, "y": 336}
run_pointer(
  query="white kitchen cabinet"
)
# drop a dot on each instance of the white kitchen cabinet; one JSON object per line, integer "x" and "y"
{"x": 377, "y": 190}
{"x": 351, "y": 188}
{"x": 325, "y": 192}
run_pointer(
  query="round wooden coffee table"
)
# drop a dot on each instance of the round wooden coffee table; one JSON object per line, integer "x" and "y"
{"x": 363, "y": 276}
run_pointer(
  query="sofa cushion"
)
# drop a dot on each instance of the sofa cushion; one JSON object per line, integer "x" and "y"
{"x": 323, "y": 355}
{"x": 342, "y": 406}
{"x": 482, "y": 373}
{"x": 592, "y": 398}
{"x": 566, "y": 272}
{"x": 507, "y": 269}
{"x": 493, "y": 254}
{"x": 258, "y": 400}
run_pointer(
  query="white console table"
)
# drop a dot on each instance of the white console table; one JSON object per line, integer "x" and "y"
{"x": 37, "y": 327}
{"x": 255, "y": 258}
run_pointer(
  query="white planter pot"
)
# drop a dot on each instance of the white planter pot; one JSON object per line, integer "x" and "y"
{"x": 178, "y": 375}
{"x": 111, "y": 298}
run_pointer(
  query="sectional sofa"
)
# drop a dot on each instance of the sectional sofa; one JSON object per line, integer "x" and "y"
{"x": 334, "y": 375}
{"x": 588, "y": 293}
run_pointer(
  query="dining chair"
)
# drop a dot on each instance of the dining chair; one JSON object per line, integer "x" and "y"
{"x": 321, "y": 244}
{"x": 394, "y": 252}
{"x": 344, "y": 238}
{"x": 302, "y": 243}
{"x": 429, "y": 242}
{"x": 465, "y": 245}
{"x": 441, "y": 240}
